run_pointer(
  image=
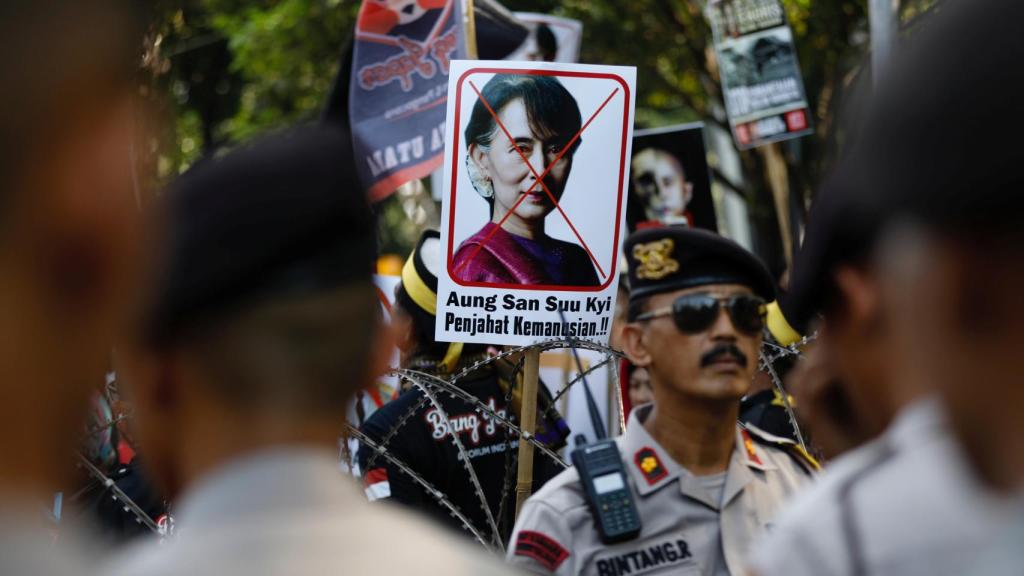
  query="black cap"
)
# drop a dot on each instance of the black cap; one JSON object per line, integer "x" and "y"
{"x": 284, "y": 215}
{"x": 942, "y": 151}
{"x": 676, "y": 257}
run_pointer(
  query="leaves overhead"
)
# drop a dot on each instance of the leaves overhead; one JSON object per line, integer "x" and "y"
{"x": 229, "y": 69}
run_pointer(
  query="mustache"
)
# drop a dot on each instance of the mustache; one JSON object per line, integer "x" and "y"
{"x": 724, "y": 350}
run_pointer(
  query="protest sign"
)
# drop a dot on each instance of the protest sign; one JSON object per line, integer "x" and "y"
{"x": 536, "y": 172}
{"x": 551, "y": 39}
{"x": 399, "y": 85}
{"x": 764, "y": 92}
{"x": 669, "y": 179}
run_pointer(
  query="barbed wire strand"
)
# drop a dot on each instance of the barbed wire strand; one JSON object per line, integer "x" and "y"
{"x": 461, "y": 394}
{"x": 767, "y": 363}
{"x": 119, "y": 495}
{"x": 777, "y": 382}
{"x": 425, "y": 382}
{"x": 422, "y": 379}
{"x": 466, "y": 462}
{"x": 441, "y": 498}
{"x": 385, "y": 441}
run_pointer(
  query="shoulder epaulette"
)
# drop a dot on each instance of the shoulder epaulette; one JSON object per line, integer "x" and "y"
{"x": 796, "y": 451}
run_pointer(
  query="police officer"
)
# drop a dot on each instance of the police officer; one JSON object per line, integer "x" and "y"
{"x": 910, "y": 477}
{"x": 413, "y": 430}
{"x": 915, "y": 252}
{"x": 263, "y": 325}
{"x": 704, "y": 486}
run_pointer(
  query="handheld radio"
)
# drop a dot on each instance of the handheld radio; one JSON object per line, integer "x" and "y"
{"x": 607, "y": 490}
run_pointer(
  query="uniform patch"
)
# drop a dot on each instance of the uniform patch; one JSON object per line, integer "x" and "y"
{"x": 647, "y": 461}
{"x": 542, "y": 548}
{"x": 748, "y": 443}
{"x": 797, "y": 452}
{"x": 646, "y": 558}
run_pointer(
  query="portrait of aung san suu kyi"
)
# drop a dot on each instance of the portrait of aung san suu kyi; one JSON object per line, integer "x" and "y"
{"x": 540, "y": 117}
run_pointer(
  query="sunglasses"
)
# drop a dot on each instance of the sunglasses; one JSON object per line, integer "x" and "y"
{"x": 695, "y": 313}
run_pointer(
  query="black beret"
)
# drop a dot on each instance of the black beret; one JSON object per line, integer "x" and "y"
{"x": 676, "y": 257}
{"x": 284, "y": 215}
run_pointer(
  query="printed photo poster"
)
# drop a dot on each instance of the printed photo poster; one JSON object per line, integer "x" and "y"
{"x": 551, "y": 39}
{"x": 669, "y": 180}
{"x": 535, "y": 190}
{"x": 764, "y": 91}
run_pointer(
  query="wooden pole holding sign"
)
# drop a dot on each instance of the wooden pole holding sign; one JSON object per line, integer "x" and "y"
{"x": 778, "y": 181}
{"x": 470, "y": 21}
{"x": 528, "y": 424}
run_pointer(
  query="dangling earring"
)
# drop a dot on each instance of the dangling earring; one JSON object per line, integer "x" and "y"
{"x": 482, "y": 184}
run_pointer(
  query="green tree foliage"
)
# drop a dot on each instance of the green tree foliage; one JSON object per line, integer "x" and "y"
{"x": 230, "y": 69}
{"x": 235, "y": 68}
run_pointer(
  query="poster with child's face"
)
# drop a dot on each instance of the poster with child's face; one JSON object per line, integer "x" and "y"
{"x": 669, "y": 179}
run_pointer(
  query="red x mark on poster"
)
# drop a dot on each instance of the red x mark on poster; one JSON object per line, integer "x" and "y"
{"x": 539, "y": 178}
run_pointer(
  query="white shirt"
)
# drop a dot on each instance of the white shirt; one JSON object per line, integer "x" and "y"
{"x": 904, "y": 504}
{"x": 1005, "y": 555}
{"x": 29, "y": 546}
{"x": 292, "y": 512}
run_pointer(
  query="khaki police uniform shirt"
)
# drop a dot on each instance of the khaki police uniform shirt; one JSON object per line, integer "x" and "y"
{"x": 905, "y": 504}
{"x": 685, "y": 530}
{"x": 291, "y": 512}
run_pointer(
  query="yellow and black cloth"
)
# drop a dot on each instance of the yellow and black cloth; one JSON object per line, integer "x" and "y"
{"x": 417, "y": 295}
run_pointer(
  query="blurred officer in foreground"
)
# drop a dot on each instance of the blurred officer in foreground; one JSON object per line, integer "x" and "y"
{"x": 705, "y": 487}
{"x": 906, "y": 503}
{"x": 264, "y": 324}
{"x": 67, "y": 250}
{"x": 954, "y": 258}
{"x": 420, "y": 435}
{"x": 824, "y": 410}
{"x": 910, "y": 480}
